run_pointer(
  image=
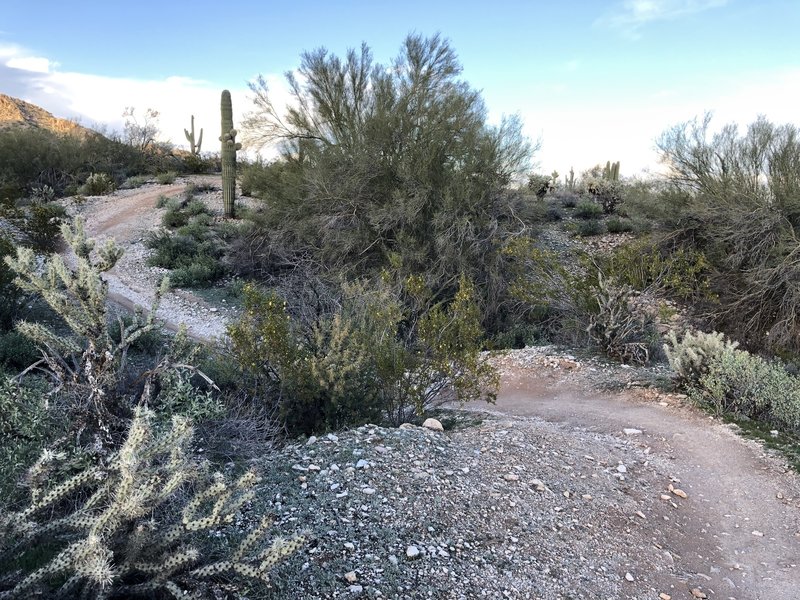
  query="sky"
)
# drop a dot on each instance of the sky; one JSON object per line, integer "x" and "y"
{"x": 593, "y": 80}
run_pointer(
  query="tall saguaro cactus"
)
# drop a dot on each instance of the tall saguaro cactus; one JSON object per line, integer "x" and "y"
{"x": 194, "y": 147}
{"x": 229, "y": 148}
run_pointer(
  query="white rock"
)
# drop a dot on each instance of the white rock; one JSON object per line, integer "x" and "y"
{"x": 433, "y": 425}
{"x": 311, "y": 440}
{"x": 628, "y": 577}
{"x": 356, "y": 589}
{"x": 622, "y": 469}
{"x": 351, "y": 577}
{"x": 349, "y": 546}
{"x": 631, "y": 431}
{"x": 362, "y": 464}
{"x": 412, "y": 552}
{"x": 368, "y": 491}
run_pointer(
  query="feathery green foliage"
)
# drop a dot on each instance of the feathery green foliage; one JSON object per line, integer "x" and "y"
{"x": 129, "y": 528}
{"x": 691, "y": 357}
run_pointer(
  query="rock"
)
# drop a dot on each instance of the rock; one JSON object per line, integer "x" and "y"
{"x": 356, "y": 589}
{"x": 351, "y": 577}
{"x": 758, "y": 533}
{"x": 433, "y": 425}
{"x": 511, "y": 477}
{"x": 349, "y": 546}
{"x": 412, "y": 552}
{"x": 680, "y": 493}
{"x": 311, "y": 440}
{"x": 539, "y": 485}
{"x": 628, "y": 577}
{"x": 368, "y": 491}
{"x": 663, "y": 596}
{"x": 631, "y": 431}
{"x": 393, "y": 559}
{"x": 698, "y": 594}
{"x": 622, "y": 469}
{"x": 640, "y": 514}
{"x": 665, "y": 497}
{"x": 333, "y": 438}
{"x": 362, "y": 464}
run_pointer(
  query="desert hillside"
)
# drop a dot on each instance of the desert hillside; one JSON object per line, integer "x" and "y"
{"x": 16, "y": 112}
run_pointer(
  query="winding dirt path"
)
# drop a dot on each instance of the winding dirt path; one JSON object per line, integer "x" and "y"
{"x": 737, "y": 534}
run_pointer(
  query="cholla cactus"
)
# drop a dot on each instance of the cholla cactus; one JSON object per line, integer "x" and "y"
{"x": 90, "y": 359}
{"x": 116, "y": 528}
{"x": 228, "y": 155}
{"x": 691, "y": 357}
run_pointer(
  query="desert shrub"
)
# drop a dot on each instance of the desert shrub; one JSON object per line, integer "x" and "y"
{"x": 138, "y": 526}
{"x": 178, "y": 396}
{"x": 26, "y": 426}
{"x": 150, "y": 342}
{"x": 588, "y": 209}
{"x": 9, "y": 292}
{"x": 589, "y": 228}
{"x": 166, "y": 177}
{"x": 193, "y": 254}
{"x": 680, "y": 272}
{"x": 568, "y": 199}
{"x": 174, "y": 217}
{"x": 617, "y": 225}
{"x": 553, "y": 213}
{"x": 17, "y": 352}
{"x": 202, "y": 271}
{"x": 42, "y": 225}
{"x": 97, "y": 184}
{"x": 620, "y": 330}
{"x": 691, "y": 357}
{"x": 737, "y": 382}
{"x": 196, "y": 207}
{"x": 136, "y": 181}
{"x": 359, "y": 363}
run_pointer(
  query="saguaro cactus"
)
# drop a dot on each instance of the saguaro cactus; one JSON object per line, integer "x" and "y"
{"x": 229, "y": 148}
{"x": 195, "y": 148}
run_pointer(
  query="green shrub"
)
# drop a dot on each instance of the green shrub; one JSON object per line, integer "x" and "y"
{"x": 26, "y": 426}
{"x": 174, "y": 217}
{"x": 691, "y": 357}
{"x": 17, "y": 352}
{"x": 196, "y": 207}
{"x": 179, "y": 397}
{"x": 137, "y": 525}
{"x": 568, "y": 199}
{"x": 589, "y": 228}
{"x": 97, "y": 184}
{"x": 607, "y": 193}
{"x": 136, "y": 181}
{"x": 357, "y": 365}
{"x": 617, "y": 225}
{"x": 739, "y": 383}
{"x": 202, "y": 271}
{"x": 540, "y": 185}
{"x": 588, "y": 209}
{"x": 166, "y": 178}
{"x": 194, "y": 261}
{"x": 553, "y": 213}
{"x": 9, "y": 292}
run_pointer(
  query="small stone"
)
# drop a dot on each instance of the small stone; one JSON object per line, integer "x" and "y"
{"x": 433, "y": 425}
{"x": 213, "y": 310}
{"x": 393, "y": 559}
{"x": 758, "y": 533}
{"x": 333, "y": 438}
{"x": 587, "y": 496}
{"x": 774, "y": 432}
{"x": 631, "y": 431}
{"x": 566, "y": 494}
{"x": 680, "y": 493}
{"x": 356, "y": 589}
{"x": 368, "y": 491}
{"x": 311, "y": 440}
{"x": 412, "y": 552}
{"x": 698, "y": 594}
{"x": 665, "y": 497}
{"x": 622, "y": 469}
{"x": 663, "y": 596}
{"x": 539, "y": 485}
{"x": 351, "y": 577}
{"x": 628, "y": 577}
{"x": 511, "y": 477}
{"x": 640, "y": 514}
{"x": 362, "y": 464}
{"x": 349, "y": 546}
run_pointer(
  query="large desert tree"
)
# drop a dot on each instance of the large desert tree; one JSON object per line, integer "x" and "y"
{"x": 393, "y": 165}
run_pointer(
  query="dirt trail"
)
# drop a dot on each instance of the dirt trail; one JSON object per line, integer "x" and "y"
{"x": 737, "y": 535}
{"x": 127, "y": 216}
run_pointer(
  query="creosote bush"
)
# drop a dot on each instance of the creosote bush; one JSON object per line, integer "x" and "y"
{"x": 97, "y": 184}
{"x": 369, "y": 360}
{"x": 588, "y": 209}
{"x": 135, "y": 527}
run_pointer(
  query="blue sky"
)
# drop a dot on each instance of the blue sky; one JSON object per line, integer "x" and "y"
{"x": 594, "y": 80}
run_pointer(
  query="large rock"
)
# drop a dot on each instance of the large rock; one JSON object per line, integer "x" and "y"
{"x": 433, "y": 425}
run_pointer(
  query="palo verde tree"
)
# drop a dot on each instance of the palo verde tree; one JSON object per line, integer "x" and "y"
{"x": 395, "y": 165}
{"x": 739, "y": 202}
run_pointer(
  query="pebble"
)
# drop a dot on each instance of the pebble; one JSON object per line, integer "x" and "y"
{"x": 349, "y": 546}
{"x": 511, "y": 477}
{"x": 680, "y": 493}
{"x": 356, "y": 589}
{"x": 698, "y": 594}
{"x": 412, "y": 552}
{"x": 622, "y": 469}
{"x": 351, "y": 577}
{"x": 628, "y": 577}
{"x": 368, "y": 491}
{"x": 663, "y": 596}
{"x": 362, "y": 464}
{"x": 631, "y": 431}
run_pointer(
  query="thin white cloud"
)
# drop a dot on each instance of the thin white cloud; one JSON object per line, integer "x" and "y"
{"x": 631, "y": 15}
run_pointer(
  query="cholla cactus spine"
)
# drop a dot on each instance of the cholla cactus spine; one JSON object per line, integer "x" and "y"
{"x": 228, "y": 155}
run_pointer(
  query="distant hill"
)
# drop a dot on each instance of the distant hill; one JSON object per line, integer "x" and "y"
{"x": 18, "y": 113}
